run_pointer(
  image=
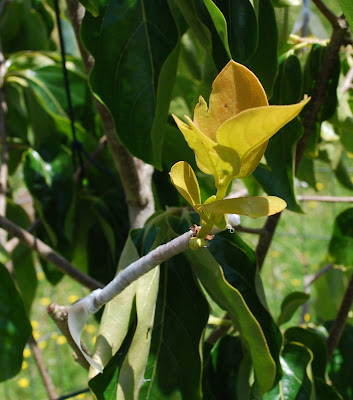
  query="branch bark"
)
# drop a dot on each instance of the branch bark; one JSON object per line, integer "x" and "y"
{"x": 48, "y": 254}
{"x": 338, "y": 38}
{"x": 48, "y": 383}
{"x": 327, "y": 199}
{"x": 340, "y": 321}
{"x": 135, "y": 175}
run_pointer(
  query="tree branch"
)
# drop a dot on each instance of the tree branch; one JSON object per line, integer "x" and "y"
{"x": 327, "y": 199}
{"x": 48, "y": 383}
{"x": 338, "y": 38}
{"x": 330, "y": 16}
{"x": 48, "y": 254}
{"x": 255, "y": 231}
{"x": 340, "y": 321}
{"x": 59, "y": 315}
{"x": 135, "y": 175}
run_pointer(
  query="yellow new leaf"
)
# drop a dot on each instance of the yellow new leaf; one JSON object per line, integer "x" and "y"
{"x": 249, "y": 131}
{"x": 254, "y": 207}
{"x": 184, "y": 179}
{"x": 234, "y": 90}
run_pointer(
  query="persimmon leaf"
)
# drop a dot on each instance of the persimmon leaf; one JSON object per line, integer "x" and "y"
{"x": 254, "y": 207}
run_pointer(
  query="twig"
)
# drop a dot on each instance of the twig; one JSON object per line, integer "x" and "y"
{"x": 48, "y": 383}
{"x": 59, "y": 315}
{"x": 327, "y": 199}
{"x": 338, "y": 38}
{"x": 330, "y": 16}
{"x": 13, "y": 243}
{"x": 309, "y": 280}
{"x": 135, "y": 175}
{"x": 101, "y": 145}
{"x": 48, "y": 254}
{"x": 340, "y": 321}
{"x": 4, "y": 148}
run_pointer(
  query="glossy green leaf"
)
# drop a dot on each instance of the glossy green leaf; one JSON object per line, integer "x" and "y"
{"x": 22, "y": 257}
{"x": 347, "y": 9}
{"x": 341, "y": 244}
{"x": 285, "y": 18}
{"x": 254, "y": 207}
{"x": 210, "y": 273}
{"x": 264, "y": 61}
{"x": 340, "y": 367}
{"x": 226, "y": 370}
{"x": 296, "y": 382}
{"x": 134, "y": 47}
{"x": 277, "y": 178}
{"x": 290, "y": 304}
{"x": 51, "y": 185}
{"x": 219, "y": 22}
{"x": 22, "y": 28}
{"x": 15, "y": 327}
{"x": 184, "y": 179}
{"x": 314, "y": 340}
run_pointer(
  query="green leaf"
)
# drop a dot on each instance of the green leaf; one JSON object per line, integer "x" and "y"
{"x": 347, "y": 9}
{"x": 341, "y": 244}
{"x": 278, "y": 178}
{"x": 181, "y": 316}
{"x": 306, "y": 171}
{"x": 290, "y": 304}
{"x": 264, "y": 61}
{"x": 135, "y": 50}
{"x": 15, "y": 327}
{"x": 342, "y": 172}
{"x": 22, "y": 28}
{"x": 51, "y": 185}
{"x": 314, "y": 340}
{"x": 296, "y": 382}
{"x": 285, "y": 17}
{"x": 324, "y": 391}
{"x": 235, "y": 290}
{"x": 339, "y": 368}
{"x": 226, "y": 371}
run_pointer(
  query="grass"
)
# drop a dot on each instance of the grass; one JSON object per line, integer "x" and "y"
{"x": 300, "y": 244}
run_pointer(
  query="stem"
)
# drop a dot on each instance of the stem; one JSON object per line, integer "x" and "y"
{"x": 48, "y": 254}
{"x": 330, "y": 16}
{"x": 135, "y": 175}
{"x": 141, "y": 267}
{"x": 255, "y": 231}
{"x": 59, "y": 315}
{"x": 340, "y": 321}
{"x": 48, "y": 383}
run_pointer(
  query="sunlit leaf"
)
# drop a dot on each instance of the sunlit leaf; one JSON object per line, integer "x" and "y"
{"x": 254, "y": 207}
{"x": 184, "y": 179}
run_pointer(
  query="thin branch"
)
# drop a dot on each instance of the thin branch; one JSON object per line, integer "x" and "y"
{"x": 338, "y": 38}
{"x": 340, "y": 321}
{"x": 14, "y": 242}
{"x": 48, "y": 383}
{"x": 135, "y": 175}
{"x": 59, "y": 315}
{"x": 327, "y": 199}
{"x": 330, "y": 16}
{"x": 309, "y": 280}
{"x": 48, "y": 254}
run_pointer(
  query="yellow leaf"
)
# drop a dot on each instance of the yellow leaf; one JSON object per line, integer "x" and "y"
{"x": 249, "y": 131}
{"x": 234, "y": 90}
{"x": 184, "y": 179}
{"x": 211, "y": 157}
{"x": 254, "y": 207}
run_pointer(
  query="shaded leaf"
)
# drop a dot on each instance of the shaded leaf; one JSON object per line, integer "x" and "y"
{"x": 92, "y": 6}
{"x": 285, "y": 18}
{"x": 231, "y": 299}
{"x": 15, "y": 327}
{"x": 341, "y": 244}
{"x": 134, "y": 47}
{"x": 324, "y": 391}
{"x": 342, "y": 172}
{"x": 296, "y": 382}
{"x": 290, "y": 304}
